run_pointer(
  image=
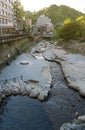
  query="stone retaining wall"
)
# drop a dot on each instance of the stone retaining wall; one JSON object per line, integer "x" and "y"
{"x": 9, "y": 50}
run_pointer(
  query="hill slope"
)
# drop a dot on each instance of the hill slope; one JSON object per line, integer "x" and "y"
{"x": 58, "y": 13}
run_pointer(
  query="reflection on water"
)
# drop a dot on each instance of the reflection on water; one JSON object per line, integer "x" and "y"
{"x": 24, "y": 113}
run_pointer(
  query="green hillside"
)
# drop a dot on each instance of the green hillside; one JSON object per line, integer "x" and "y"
{"x": 57, "y": 13}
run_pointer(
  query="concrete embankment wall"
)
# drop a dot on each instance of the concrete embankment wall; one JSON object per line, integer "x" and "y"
{"x": 9, "y": 50}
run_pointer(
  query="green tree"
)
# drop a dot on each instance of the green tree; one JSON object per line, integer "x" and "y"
{"x": 81, "y": 19}
{"x": 19, "y": 10}
{"x": 19, "y": 17}
{"x": 71, "y": 31}
{"x": 67, "y": 21}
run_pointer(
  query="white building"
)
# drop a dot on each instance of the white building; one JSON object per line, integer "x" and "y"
{"x": 6, "y": 16}
{"x": 42, "y": 20}
{"x": 44, "y": 23}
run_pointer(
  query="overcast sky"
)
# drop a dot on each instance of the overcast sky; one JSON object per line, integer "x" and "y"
{"x": 35, "y": 5}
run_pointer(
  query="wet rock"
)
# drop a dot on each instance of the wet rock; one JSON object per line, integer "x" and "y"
{"x": 78, "y": 124}
{"x": 68, "y": 126}
{"x": 73, "y": 67}
{"x": 76, "y": 114}
{"x": 39, "y": 48}
{"x": 28, "y": 90}
{"x": 3, "y": 96}
{"x": 48, "y": 55}
{"x": 81, "y": 119}
{"x": 32, "y": 88}
{"x": 35, "y": 92}
{"x": 32, "y": 81}
{"x": 42, "y": 96}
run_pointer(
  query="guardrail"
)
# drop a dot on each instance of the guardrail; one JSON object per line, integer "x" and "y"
{"x": 11, "y": 37}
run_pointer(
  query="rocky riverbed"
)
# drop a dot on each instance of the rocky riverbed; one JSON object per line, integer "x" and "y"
{"x": 63, "y": 104}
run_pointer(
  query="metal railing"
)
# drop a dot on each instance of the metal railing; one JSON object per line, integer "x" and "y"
{"x": 11, "y": 37}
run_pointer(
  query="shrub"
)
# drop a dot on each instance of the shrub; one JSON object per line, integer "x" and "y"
{"x": 72, "y": 30}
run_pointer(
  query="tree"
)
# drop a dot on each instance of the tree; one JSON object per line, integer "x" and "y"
{"x": 69, "y": 31}
{"x": 19, "y": 16}
{"x": 81, "y": 19}
{"x": 67, "y": 21}
{"x": 19, "y": 10}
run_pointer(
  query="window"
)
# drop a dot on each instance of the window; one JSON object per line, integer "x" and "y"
{"x": 3, "y": 20}
{"x": 6, "y": 6}
{"x": 2, "y": 3}
{"x": 2, "y": 12}
{"x": 6, "y": 21}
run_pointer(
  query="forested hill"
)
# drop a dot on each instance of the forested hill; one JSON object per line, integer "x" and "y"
{"x": 58, "y": 13}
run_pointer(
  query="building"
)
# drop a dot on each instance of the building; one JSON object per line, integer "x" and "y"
{"x": 28, "y": 22}
{"x": 45, "y": 24}
{"x": 42, "y": 20}
{"x": 6, "y": 16}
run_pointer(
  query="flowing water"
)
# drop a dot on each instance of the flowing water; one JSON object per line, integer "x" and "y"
{"x": 24, "y": 113}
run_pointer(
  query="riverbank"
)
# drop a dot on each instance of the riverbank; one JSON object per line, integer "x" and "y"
{"x": 9, "y": 50}
{"x": 73, "y": 46}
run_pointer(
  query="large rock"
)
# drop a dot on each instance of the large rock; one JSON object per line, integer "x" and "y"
{"x": 43, "y": 95}
{"x": 68, "y": 126}
{"x": 74, "y": 71}
{"x": 31, "y": 88}
{"x": 35, "y": 92}
{"x": 78, "y": 124}
{"x": 81, "y": 119}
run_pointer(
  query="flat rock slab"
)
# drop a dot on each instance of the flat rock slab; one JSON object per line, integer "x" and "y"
{"x": 37, "y": 72}
{"x": 73, "y": 65}
{"x": 69, "y": 126}
{"x": 74, "y": 71}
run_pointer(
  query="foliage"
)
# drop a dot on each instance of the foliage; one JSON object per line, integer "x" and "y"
{"x": 28, "y": 14}
{"x": 18, "y": 10}
{"x": 67, "y": 21}
{"x": 81, "y": 19}
{"x": 57, "y": 13}
{"x": 74, "y": 20}
{"x": 72, "y": 30}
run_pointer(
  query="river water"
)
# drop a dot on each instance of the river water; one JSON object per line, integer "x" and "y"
{"x": 24, "y": 113}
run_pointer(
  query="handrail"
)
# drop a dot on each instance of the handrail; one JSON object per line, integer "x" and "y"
{"x": 11, "y": 37}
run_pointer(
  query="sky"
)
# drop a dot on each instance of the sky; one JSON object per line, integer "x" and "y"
{"x": 36, "y": 5}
